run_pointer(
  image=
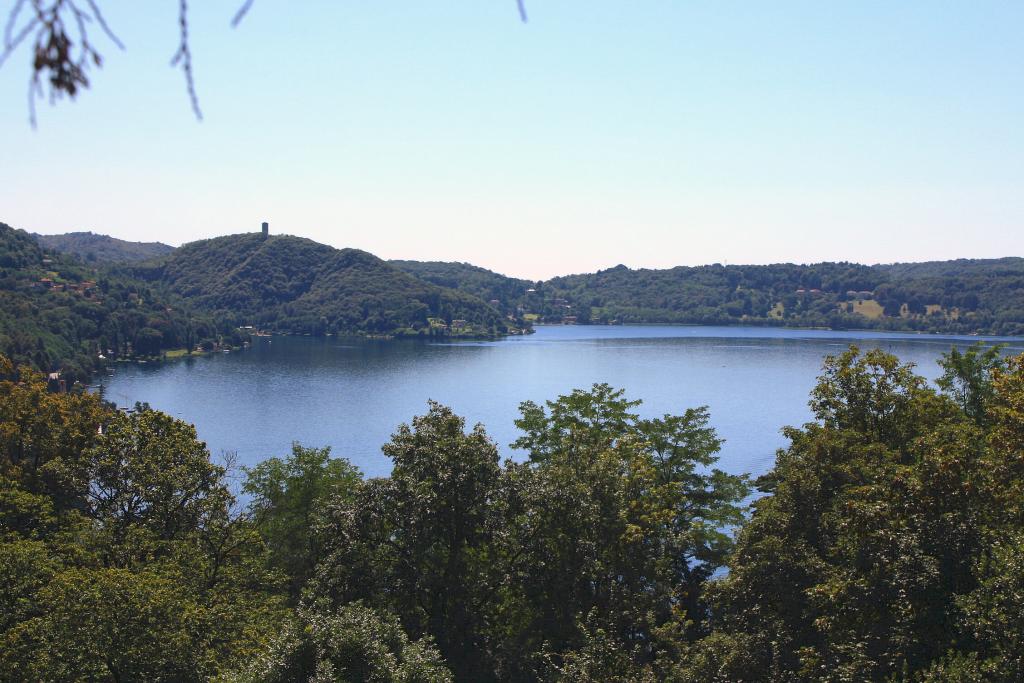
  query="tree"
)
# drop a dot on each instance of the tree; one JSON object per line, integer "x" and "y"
{"x": 350, "y": 645}
{"x": 417, "y": 544}
{"x": 967, "y": 377}
{"x": 621, "y": 522}
{"x": 120, "y": 556}
{"x": 288, "y": 497}
{"x": 109, "y": 624}
{"x": 851, "y": 566}
{"x": 149, "y": 474}
{"x": 148, "y": 341}
{"x": 43, "y": 436}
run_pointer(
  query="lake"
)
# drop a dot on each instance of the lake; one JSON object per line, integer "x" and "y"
{"x": 351, "y": 394}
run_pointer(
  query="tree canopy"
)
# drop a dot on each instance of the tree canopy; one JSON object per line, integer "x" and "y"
{"x": 886, "y": 543}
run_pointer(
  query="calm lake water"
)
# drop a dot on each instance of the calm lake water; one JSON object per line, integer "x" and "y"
{"x": 350, "y": 395}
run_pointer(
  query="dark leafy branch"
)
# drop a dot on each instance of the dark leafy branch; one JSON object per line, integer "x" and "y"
{"x": 62, "y": 51}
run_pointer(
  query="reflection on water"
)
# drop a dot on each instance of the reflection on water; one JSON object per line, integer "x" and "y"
{"x": 351, "y": 394}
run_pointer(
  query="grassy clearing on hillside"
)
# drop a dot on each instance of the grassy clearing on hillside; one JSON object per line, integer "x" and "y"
{"x": 869, "y": 308}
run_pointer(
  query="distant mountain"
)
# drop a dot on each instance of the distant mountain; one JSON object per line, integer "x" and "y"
{"x": 93, "y": 248}
{"x": 294, "y": 285}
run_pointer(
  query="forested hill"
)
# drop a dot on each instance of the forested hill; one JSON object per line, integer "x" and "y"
{"x": 961, "y": 296}
{"x": 985, "y": 296}
{"x": 501, "y": 291}
{"x": 62, "y": 311}
{"x": 59, "y": 314}
{"x": 295, "y": 285}
{"x": 93, "y": 248}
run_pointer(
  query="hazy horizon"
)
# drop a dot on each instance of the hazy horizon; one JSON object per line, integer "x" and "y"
{"x": 596, "y": 134}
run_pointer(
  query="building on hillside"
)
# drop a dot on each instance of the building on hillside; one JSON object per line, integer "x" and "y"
{"x": 266, "y": 229}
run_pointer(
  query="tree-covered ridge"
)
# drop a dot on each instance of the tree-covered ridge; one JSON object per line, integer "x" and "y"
{"x": 962, "y": 296}
{"x": 90, "y": 247}
{"x": 499, "y": 290}
{"x": 59, "y": 314}
{"x": 888, "y": 544}
{"x": 955, "y": 296}
{"x": 62, "y": 313}
{"x": 294, "y": 285}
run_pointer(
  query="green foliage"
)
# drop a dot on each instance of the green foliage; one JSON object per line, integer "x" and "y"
{"x": 992, "y": 615}
{"x": 855, "y": 565}
{"x": 620, "y": 523}
{"x": 609, "y": 532}
{"x": 287, "y": 497}
{"x": 120, "y": 557}
{"x": 487, "y": 285}
{"x": 294, "y": 285}
{"x": 151, "y": 481}
{"x": 419, "y": 543}
{"x": 887, "y": 544}
{"x": 967, "y": 377}
{"x": 92, "y": 248}
{"x": 974, "y": 295}
{"x": 108, "y": 624}
{"x": 352, "y": 645}
{"x": 60, "y": 314}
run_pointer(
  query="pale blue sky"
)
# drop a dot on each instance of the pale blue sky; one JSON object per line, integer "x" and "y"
{"x": 650, "y": 133}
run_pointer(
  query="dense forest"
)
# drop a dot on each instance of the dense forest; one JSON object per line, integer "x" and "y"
{"x": 73, "y": 302}
{"x": 67, "y": 312}
{"x": 886, "y": 544}
{"x": 963, "y": 296}
{"x": 60, "y": 314}
{"x": 294, "y": 285}
{"x": 506, "y": 293}
{"x": 90, "y": 247}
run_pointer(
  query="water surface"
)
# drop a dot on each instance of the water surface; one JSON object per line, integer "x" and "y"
{"x": 351, "y": 394}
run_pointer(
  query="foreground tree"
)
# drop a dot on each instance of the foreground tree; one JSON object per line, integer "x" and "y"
{"x": 854, "y": 565}
{"x": 418, "y": 543}
{"x": 352, "y": 644}
{"x": 288, "y": 497}
{"x": 120, "y": 556}
{"x": 968, "y": 378}
{"x": 620, "y": 524}
{"x": 612, "y": 528}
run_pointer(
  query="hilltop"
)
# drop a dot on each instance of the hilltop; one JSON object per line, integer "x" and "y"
{"x": 294, "y": 285}
{"x": 93, "y": 248}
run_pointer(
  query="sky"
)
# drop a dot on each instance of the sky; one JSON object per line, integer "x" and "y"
{"x": 600, "y": 132}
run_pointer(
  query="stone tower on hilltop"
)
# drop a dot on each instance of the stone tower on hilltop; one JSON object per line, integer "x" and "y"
{"x": 266, "y": 230}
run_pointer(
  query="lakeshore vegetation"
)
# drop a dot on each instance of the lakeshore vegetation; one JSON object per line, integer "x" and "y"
{"x": 886, "y": 544}
{"x": 72, "y": 303}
